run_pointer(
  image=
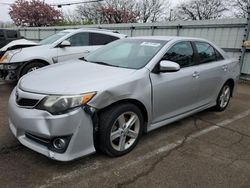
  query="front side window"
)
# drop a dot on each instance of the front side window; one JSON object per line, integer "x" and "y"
{"x": 206, "y": 52}
{"x": 127, "y": 53}
{"x": 181, "y": 53}
{"x": 53, "y": 38}
{"x": 79, "y": 39}
{"x": 101, "y": 39}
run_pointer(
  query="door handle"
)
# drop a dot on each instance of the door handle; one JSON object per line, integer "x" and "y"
{"x": 196, "y": 74}
{"x": 86, "y": 51}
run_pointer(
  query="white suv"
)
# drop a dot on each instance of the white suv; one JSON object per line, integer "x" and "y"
{"x": 62, "y": 46}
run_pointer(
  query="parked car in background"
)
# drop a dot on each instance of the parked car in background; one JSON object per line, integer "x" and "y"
{"x": 108, "y": 99}
{"x": 62, "y": 46}
{"x": 8, "y": 35}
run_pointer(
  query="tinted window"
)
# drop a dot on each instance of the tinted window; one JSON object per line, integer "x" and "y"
{"x": 181, "y": 53}
{"x": 11, "y": 34}
{"x": 101, "y": 39}
{"x": 1, "y": 34}
{"x": 79, "y": 39}
{"x": 206, "y": 52}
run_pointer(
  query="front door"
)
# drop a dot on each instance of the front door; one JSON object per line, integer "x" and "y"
{"x": 175, "y": 93}
{"x": 80, "y": 47}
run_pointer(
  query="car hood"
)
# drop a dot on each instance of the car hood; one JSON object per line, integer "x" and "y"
{"x": 20, "y": 42}
{"x": 37, "y": 48}
{"x": 73, "y": 78}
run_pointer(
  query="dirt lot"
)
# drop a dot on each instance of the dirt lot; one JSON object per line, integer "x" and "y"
{"x": 208, "y": 149}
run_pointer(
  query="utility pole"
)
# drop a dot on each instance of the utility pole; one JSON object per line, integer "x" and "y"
{"x": 75, "y": 3}
{"x": 170, "y": 15}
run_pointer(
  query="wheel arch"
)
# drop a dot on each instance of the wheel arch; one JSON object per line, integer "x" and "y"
{"x": 28, "y": 62}
{"x": 37, "y": 60}
{"x": 136, "y": 102}
{"x": 230, "y": 81}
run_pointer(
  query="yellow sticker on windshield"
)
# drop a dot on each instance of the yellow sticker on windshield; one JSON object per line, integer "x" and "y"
{"x": 151, "y": 44}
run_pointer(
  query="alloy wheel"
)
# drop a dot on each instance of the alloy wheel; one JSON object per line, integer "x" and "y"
{"x": 125, "y": 131}
{"x": 225, "y": 96}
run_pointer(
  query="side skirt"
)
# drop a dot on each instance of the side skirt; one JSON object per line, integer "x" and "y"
{"x": 178, "y": 117}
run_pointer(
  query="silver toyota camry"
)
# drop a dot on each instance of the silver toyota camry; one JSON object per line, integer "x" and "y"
{"x": 107, "y": 100}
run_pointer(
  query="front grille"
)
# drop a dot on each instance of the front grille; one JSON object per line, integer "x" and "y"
{"x": 27, "y": 102}
{"x": 38, "y": 139}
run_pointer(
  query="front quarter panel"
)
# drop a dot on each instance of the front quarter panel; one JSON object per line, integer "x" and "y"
{"x": 45, "y": 53}
{"x": 137, "y": 87}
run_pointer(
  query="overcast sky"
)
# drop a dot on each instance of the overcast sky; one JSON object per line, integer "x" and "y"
{"x": 4, "y": 16}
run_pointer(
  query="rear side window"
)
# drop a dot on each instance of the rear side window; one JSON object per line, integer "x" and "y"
{"x": 79, "y": 39}
{"x": 101, "y": 39}
{"x": 1, "y": 34}
{"x": 11, "y": 34}
{"x": 181, "y": 53}
{"x": 206, "y": 52}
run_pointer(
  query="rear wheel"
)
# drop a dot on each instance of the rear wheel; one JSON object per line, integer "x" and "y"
{"x": 31, "y": 67}
{"x": 223, "y": 97}
{"x": 120, "y": 129}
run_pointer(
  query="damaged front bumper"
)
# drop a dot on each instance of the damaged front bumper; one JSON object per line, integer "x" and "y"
{"x": 9, "y": 71}
{"x": 38, "y": 129}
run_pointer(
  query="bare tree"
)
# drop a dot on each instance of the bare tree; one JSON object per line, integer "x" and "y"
{"x": 201, "y": 9}
{"x": 151, "y": 10}
{"x": 118, "y": 11}
{"x": 88, "y": 12}
{"x": 240, "y": 8}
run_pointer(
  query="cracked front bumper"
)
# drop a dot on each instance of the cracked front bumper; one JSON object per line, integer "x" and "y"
{"x": 23, "y": 122}
{"x": 9, "y": 70}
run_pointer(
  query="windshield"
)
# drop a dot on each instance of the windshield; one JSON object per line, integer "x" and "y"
{"x": 51, "y": 39}
{"x": 127, "y": 53}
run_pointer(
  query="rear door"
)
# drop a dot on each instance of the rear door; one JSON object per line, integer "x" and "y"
{"x": 175, "y": 93}
{"x": 211, "y": 68}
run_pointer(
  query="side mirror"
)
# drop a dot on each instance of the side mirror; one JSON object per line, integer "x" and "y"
{"x": 64, "y": 44}
{"x": 169, "y": 66}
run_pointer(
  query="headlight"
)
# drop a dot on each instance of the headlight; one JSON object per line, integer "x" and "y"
{"x": 61, "y": 104}
{"x": 8, "y": 55}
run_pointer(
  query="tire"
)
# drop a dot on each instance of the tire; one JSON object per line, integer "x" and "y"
{"x": 116, "y": 136}
{"x": 30, "y": 67}
{"x": 223, "y": 98}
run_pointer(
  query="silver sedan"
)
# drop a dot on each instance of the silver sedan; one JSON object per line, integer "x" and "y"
{"x": 107, "y": 100}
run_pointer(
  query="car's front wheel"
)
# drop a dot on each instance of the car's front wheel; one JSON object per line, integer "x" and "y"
{"x": 31, "y": 67}
{"x": 223, "y": 97}
{"x": 120, "y": 129}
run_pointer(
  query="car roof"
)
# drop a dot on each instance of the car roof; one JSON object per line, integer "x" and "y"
{"x": 103, "y": 31}
{"x": 167, "y": 38}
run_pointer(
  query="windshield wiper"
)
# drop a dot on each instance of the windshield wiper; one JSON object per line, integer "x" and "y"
{"x": 103, "y": 63}
{"x": 83, "y": 58}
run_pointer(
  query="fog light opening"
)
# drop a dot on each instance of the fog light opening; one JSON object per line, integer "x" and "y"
{"x": 59, "y": 143}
